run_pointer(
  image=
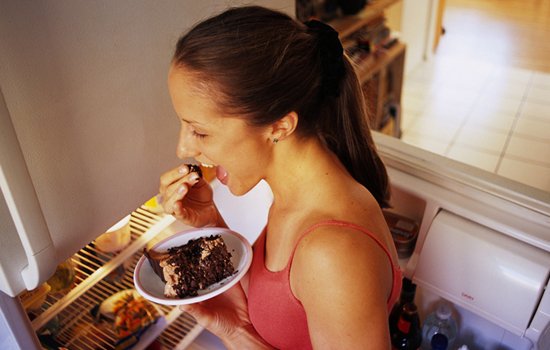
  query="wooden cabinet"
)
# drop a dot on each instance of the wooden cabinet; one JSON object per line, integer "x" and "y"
{"x": 380, "y": 66}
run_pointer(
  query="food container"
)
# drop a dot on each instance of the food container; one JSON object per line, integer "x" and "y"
{"x": 404, "y": 232}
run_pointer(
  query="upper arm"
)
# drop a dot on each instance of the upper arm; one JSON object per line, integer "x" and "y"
{"x": 343, "y": 280}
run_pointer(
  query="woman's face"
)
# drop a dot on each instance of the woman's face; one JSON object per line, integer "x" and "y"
{"x": 240, "y": 152}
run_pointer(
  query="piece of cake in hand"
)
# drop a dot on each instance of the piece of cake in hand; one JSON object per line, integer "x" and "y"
{"x": 193, "y": 266}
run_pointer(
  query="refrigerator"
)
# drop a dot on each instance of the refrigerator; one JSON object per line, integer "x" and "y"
{"x": 86, "y": 128}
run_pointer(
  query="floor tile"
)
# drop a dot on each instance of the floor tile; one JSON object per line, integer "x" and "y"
{"x": 491, "y": 120}
{"x": 417, "y": 89}
{"x": 539, "y": 94}
{"x": 535, "y": 110}
{"x": 488, "y": 103}
{"x": 528, "y": 173}
{"x": 446, "y": 110}
{"x": 541, "y": 79}
{"x": 422, "y": 141}
{"x": 482, "y": 139}
{"x": 435, "y": 128}
{"x": 408, "y": 120}
{"x": 528, "y": 150}
{"x": 475, "y": 157}
{"x": 497, "y": 88}
{"x": 506, "y": 74}
{"x": 411, "y": 103}
{"x": 530, "y": 128}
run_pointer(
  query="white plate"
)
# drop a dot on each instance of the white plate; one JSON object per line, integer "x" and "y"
{"x": 151, "y": 287}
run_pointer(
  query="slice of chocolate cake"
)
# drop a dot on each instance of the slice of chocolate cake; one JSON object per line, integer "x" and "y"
{"x": 193, "y": 266}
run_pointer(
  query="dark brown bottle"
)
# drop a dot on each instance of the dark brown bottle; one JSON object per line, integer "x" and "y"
{"x": 407, "y": 296}
{"x": 408, "y": 335}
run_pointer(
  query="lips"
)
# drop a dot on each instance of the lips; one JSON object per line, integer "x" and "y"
{"x": 221, "y": 174}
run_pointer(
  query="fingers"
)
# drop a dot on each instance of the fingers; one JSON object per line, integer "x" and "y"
{"x": 172, "y": 176}
{"x": 174, "y": 185}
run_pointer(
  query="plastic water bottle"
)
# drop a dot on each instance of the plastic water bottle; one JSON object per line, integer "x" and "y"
{"x": 439, "y": 322}
{"x": 439, "y": 342}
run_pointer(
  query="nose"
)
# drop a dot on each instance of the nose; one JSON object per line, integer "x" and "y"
{"x": 187, "y": 144}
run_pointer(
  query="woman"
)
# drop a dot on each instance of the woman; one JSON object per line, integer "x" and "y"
{"x": 261, "y": 96}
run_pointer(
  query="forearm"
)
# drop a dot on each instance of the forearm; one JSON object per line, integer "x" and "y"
{"x": 246, "y": 338}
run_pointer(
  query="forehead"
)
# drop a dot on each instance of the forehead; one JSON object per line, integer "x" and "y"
{"x": 191, "y": 95}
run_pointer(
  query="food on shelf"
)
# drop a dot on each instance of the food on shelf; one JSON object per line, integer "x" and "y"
{"x": 193, "y": 266}
{"x": 131, "y": 315}
{"x": 63, "y": 278}
{"x": 116, "y": 238}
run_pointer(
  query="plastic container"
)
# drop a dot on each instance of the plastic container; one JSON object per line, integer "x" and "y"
{"x": 404, "y": 232}
{"x": 439, "y": 322}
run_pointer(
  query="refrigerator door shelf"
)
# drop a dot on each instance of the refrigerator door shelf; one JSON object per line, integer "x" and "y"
{"x": 484, "y": 271}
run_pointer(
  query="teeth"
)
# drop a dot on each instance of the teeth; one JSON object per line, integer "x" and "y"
{"x": 207, "y": 165}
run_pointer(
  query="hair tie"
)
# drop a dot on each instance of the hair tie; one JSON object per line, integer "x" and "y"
{"x": 332, "y": 56}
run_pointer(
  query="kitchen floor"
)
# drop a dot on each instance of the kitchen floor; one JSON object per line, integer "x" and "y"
{"x": 483, "y": 98}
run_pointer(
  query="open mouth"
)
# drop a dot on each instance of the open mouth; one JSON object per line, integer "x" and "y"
{"x": 221, "y": 173}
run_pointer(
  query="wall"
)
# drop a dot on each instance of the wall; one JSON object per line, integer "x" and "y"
{"x": 415, "y": 20}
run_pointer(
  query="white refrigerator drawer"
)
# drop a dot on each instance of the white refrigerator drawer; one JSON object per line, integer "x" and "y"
{"x": 486, "y": 272}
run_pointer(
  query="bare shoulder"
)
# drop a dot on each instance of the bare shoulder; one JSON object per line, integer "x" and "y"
{"x": 340, "y": 252}
{"x": 342, "y": 275}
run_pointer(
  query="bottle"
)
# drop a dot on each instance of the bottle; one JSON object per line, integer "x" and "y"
{"x": 439, "y": 322}
{"x": 407, "y": 296}
{"x": 408, "y": 335}
{"x": 439, "y": 342}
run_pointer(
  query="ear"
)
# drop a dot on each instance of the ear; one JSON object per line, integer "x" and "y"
{"x": 285, "y": 126}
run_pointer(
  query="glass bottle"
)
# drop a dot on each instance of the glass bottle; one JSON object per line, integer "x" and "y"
{"x": 408, "y": 335}
{"x": 439, "y": 322}
{"x": 407, "y": 296}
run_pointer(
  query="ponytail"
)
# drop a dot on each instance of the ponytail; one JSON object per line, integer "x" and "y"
{"x": 346, "y": 133}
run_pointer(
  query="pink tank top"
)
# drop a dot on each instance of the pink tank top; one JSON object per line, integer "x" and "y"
{"x": 275, "y": 312}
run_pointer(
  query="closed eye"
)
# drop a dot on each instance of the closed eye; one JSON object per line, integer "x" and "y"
{"x": 199, "y": 135}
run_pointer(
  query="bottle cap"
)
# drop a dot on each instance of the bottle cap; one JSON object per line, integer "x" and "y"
{"x": 439, "y": 342}
{"x": 444, "y": 312}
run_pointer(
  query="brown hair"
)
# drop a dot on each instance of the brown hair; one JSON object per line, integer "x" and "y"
{"x": 264, "y": 65}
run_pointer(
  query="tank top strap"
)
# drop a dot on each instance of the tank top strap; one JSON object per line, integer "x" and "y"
{"x": 340, "y": 223}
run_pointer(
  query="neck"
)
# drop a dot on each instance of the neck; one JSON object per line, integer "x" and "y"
{"x": 301, "y": 171}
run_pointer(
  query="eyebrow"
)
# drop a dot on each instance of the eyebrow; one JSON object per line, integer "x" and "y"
{"x": 192, "y": 121}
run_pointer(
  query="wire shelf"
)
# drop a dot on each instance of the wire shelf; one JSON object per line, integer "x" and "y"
{"x": 69, "y": 317}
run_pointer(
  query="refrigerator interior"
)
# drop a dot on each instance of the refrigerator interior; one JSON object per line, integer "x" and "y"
{"x": 68, "y": 315}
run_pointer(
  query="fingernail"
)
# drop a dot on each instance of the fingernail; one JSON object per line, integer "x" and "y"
{"x": 181, "y": 189}
{"x": 194, "y": 177}
{"x": 182, "y": 170}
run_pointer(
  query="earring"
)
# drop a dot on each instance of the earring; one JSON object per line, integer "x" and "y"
{"x": 275, "y": 140}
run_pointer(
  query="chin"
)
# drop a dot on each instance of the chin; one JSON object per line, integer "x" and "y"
{"x": 239, "y": 190}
